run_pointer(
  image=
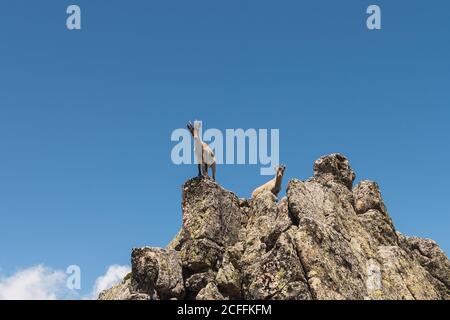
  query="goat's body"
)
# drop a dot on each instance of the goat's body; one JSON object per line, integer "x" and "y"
{"x": 269, "y": 186}
{"x": 273, "y": 185}
{"x": 203, "y": 153}
{"x": 205, "y": 157}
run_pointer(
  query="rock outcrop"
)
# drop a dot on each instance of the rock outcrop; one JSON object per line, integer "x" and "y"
{"x": 325, "y": 240}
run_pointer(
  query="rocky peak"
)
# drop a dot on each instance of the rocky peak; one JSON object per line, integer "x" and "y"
{"x": 334, "y": 167}
{"x": 324, "y": 240}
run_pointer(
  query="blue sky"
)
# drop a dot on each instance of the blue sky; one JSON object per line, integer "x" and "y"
{"x": 86, "y": 116}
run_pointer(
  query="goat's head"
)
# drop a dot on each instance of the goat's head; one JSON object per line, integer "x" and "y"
{"x": 190, "y": 128}
{"x": 279, "y": 170}
{"x": 194, "y": 129}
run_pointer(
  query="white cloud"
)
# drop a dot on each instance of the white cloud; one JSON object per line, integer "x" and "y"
{"x": 113, "y": 275}
{"x": 35, "y": 283}
{"x": 43, "y": 283}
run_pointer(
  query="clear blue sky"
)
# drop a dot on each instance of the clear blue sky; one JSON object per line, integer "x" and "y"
{"x": 86, "y": 116}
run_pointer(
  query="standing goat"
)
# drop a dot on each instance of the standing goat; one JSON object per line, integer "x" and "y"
{"x": 203, "y": 153}
{"x": 273, "y": 185}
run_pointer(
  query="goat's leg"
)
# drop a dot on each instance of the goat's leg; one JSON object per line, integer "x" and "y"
{"x": 213, "y": 168}
{"x": 203, "y": 170}
{"x": 199, "y": 170}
